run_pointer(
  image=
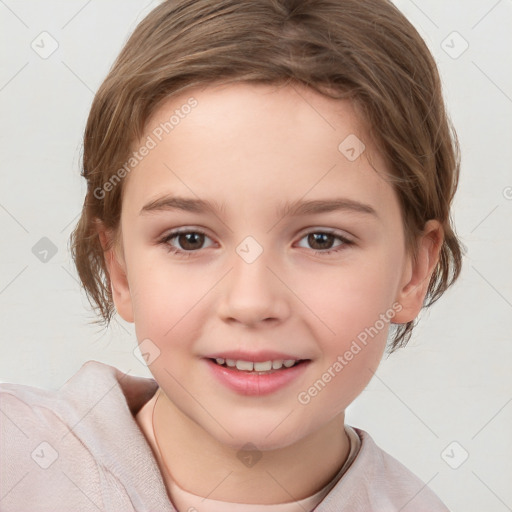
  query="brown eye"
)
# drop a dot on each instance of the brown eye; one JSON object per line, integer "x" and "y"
{"x": 190, "y": 241}
{"x": 185, "y": 242}
{"x": 321, "y": 241}
{"x": 324, "y": 242}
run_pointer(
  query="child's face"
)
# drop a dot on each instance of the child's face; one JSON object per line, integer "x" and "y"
{"x": 254, "y": 282}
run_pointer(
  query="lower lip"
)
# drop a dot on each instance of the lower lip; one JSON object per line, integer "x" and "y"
{"x": 254, "y": 384}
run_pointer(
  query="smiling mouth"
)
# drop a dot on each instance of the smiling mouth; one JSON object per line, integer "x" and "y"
{"x": 264, "y": 367}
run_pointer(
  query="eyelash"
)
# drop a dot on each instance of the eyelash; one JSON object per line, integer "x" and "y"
{"x": 186, "y": 254}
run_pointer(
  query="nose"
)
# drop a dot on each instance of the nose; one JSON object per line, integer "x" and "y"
{"x": 252, "y": 293}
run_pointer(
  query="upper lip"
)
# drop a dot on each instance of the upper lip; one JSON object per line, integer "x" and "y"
{"x": 256, "y": 357}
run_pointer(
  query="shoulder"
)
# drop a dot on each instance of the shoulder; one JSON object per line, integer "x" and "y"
{"x": 61, "y": 446}
{"x": 376, "y": 481}
{"x": 40, "y": 456}
{"x": 30, "y": 408}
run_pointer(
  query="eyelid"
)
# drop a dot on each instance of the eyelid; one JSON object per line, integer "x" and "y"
{"x": 172, "y": 233}
{"x": 330, "y": 231}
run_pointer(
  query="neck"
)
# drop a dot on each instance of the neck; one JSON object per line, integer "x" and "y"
{"x": 199, "y": 464}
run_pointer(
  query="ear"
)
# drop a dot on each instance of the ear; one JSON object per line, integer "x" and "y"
{"x": 418, "y": 271}
{"x": 116, "y": 267}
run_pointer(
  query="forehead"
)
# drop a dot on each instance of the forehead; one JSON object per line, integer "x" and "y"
{"x": 260, "y": 141}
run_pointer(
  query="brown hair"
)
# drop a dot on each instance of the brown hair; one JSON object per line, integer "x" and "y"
{"x": 363, "y": 50}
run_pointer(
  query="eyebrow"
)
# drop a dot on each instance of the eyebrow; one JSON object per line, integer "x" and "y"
{"x": 181, "y": 203}
{"x": 301, "y": 207}
{"x": 295, "y": 208}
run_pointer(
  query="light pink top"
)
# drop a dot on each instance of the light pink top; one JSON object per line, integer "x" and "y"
{"x": 80, "y": 449}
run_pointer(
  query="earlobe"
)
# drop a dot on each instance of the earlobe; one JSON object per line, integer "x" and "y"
{"x": 413, "y": 290}
{"x": 116, "y": 267}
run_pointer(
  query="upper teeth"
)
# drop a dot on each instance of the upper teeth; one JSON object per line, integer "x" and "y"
{"x": 259, "y": 367}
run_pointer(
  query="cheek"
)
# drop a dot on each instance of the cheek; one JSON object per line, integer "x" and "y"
{"x": 166, "y": 301}
{"x": 358, "y": 317}
{"x": 353, "y": 305}
{"x": 341, "y": 382}
{"x": 348, "y": 299}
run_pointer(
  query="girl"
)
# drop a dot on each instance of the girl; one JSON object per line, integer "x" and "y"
{"x": 268, "y": 198}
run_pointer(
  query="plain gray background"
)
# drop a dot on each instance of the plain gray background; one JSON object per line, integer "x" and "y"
{"x": 442, "y": 406}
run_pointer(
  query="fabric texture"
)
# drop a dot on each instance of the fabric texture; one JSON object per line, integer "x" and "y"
{"x": 80, "y": 449}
